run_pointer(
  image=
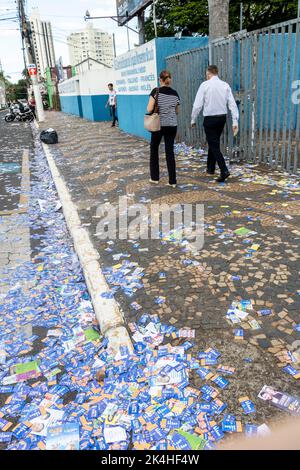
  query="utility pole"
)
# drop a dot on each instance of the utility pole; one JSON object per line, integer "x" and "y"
{"x": 154, "y": 17}
{"x": 114, "y": 44}
{"x": 218, "y": 18}
{"x": 26, "y": 32}
{"x": 218, "y": 21}
{"x": 242, "y": 15}
{"x": 141, "y": 27}
{"x": 27, "y": 41}
{"x": 128, "y": 37}
{"x": 127, "y": 27}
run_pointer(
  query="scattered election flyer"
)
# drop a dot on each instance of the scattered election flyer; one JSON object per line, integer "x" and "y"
{"x": 167, "y": 372}
{"x": 63, "y": 437}
{"x": 281, "y": 400}
{"x": 40, "y": 425}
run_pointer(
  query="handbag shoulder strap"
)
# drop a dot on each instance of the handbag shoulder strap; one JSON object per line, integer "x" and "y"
{"x": 156, "y": 109}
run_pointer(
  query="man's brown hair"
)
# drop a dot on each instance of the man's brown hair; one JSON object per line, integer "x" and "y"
{"x": 213, "y": 69}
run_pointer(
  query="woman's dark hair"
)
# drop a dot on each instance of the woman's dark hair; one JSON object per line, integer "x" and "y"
{"x": 166, "y": 77}
{"x": 110, "y": 84}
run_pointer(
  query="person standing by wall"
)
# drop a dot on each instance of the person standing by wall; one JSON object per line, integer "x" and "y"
{"x": 214, "y": 96}
{"x": 168, "y": 108}
{"x": 112, "y": 103}
{"x": 32, "y": 105}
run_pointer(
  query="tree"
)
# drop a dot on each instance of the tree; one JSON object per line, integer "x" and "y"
{"x": 25, "y": 75}
{"x": 14, "y": 91}
{"x": 4, "y": 79}
{"x": 17, "y": 91}
{"x": 259, "y": 15}
{"x": 174, "y": 15}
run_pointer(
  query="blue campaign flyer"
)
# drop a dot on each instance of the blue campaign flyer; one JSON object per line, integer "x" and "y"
{"x": 63, "y": 437}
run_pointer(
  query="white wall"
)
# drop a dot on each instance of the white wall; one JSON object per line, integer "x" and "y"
{"x": 92, "y": 82}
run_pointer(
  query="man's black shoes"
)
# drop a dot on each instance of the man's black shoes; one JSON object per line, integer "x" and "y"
{"x": 222, "y": 178}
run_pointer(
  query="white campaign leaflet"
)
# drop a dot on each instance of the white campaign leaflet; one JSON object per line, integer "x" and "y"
{"x": 114, "y": 434}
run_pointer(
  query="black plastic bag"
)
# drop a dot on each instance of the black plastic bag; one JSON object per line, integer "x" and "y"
{"x": 49, "y": 136}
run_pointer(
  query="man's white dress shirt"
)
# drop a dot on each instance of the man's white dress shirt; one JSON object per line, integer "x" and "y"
{"x": 213, "y": 97}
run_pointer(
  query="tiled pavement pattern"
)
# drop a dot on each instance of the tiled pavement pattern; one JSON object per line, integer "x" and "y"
{"x": 16, "y": 145}
{"x": 101, "y": 164}
{"x": 15, "y": 246}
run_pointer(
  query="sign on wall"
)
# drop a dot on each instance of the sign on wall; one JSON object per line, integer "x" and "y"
{"x": 68, "y": 88}
{"x": 136, "y": 71}
{"x": 132, "y": 7}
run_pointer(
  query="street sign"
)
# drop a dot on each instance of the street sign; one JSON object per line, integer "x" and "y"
{"x": 130, "y": 7}
{"x": 32, "y": 70}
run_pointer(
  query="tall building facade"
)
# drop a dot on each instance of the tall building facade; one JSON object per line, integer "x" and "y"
{"x": 42, "y": 42}
{"x": 93, "y": 43}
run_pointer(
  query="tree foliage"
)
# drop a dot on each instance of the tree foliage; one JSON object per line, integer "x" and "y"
{"x": 259, "y": 15}
{"x": 15, "y": 91}
{"x": 25, "y": 75}
{"x": 174, "y": 15}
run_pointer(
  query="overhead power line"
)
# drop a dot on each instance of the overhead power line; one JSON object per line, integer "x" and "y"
{"x": 9, "y": 19}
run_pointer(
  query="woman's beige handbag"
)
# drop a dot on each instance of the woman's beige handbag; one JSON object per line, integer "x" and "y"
{"x": 152, "y": 121}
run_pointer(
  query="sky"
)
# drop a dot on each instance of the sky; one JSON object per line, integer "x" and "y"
{"x": 65, "y": 17}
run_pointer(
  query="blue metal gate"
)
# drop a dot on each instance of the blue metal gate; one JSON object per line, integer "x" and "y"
{"x": 263, "y": 68}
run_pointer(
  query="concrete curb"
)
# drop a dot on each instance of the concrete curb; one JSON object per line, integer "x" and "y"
{"x": 107, "y": 311}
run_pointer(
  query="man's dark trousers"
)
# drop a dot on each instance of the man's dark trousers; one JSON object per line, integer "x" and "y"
{"x": 114, "y": 115}
{"x": 214, "y": 126}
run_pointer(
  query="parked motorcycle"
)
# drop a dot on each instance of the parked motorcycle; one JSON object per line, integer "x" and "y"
{"x": 45, "y": 103}
{"x": 19, "y": 112}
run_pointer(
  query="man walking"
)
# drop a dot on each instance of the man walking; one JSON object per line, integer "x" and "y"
{"x": 214, "y": 96}
{"x": 112, "y": 102}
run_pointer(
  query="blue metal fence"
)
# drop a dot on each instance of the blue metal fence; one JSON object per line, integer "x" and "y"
{"x": 263, "y": 68}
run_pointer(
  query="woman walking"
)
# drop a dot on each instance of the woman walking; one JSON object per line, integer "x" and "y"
{"x": 168, "y": 107}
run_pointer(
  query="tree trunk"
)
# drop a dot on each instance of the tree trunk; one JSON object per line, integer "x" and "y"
{"x": 218, "y": 18}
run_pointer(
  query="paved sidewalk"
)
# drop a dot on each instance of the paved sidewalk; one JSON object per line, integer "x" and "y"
{"x": 43, "y": 295}
{"x": 16, "y": 150}
{"x": 100, "y": 164}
